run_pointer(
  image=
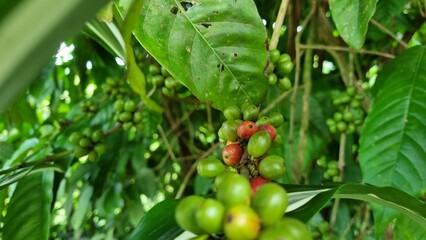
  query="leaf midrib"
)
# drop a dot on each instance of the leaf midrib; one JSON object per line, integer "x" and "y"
{"x": 182, "y": 10}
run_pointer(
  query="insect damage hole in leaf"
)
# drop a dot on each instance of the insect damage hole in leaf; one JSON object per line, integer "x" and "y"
{"x": 221, "y": 67}
{"x": 187, "y": 5}
{"x": 206, "y": 25}
{"x": 174, "y": 10}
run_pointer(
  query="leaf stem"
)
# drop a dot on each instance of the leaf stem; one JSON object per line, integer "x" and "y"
{"x": 47, "y": 159}
{"x": 388, "y": 32}
{"x": 278, "y": 24}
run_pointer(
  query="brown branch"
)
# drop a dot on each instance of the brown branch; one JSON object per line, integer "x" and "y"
{"x": 345, "y": 49}
{"x": 388, "y": 32}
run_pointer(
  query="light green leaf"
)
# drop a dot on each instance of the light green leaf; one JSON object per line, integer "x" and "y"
{"x": 393, "y": 145}
{"x": 82, "y": 207}
{"x": 215, "y": 48}
{"x": 28, "y": 213}
{"x": 351, "y": 18}
{"x": 30, "y": 38}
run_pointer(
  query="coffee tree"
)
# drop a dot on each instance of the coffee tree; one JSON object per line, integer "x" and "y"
{"x": 232, "y": 119}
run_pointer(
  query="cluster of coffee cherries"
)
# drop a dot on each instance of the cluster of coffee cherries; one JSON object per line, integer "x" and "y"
{"x": 89, "y": 108}
{"x": 248, "y": 141}
{"x": 159, "y": 77}
{"x": 322, "y": 231}
{"x": 331, "y": 172}
{"x": 115, "y": 88}
{"x": 128, "y": 114}
{"x": 280, "y": 66}
{"x": 238, "y": 211}
{"x": 89, "y": 142}
{"x": 349, "y": 115}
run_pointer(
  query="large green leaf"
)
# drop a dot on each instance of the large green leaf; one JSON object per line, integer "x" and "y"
{"x": 215, "y": 48}
{"x": 393, "y": 143}
{"x": 28, "y": 213}
{"x": 351, "y": 18}
{"x": 158, "y": 223}
{"x": 26, "y": 47}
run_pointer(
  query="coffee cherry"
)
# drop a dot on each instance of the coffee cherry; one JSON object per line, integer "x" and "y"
{"x": 270, "y": 130}
{"x": 125, "y": 117}
{"x": 246, "y": 129}
{"x": 272, "y": 79}
{"x": 251, "y": 113}
{"x": 259, "y": 144}
{"x": 164, "y": 72}
{"x": 256, "y": 183}
{"x": 241, "y": 223}
{"x": 75, "y": 137}
{"x": 276, "y": 119}
{"x": 351, "y": 91}
{"x": 93, "y": 156}
{"x": 232, "y": 153}
{"x": 288, "y": 229}
{"x": 234, "y": 190}
{"x": 278, "y": 141}
{"x": 97, "y": 136}
{"x": 158, "y": 80}
{"x": 210, "y": 167}
{"x": 341, "y": 126}
{"x": 100, "y": 148}
{"x": 127, "y": 126}
{"x": 130, "y": 106}
{"x": 154, "y": 69}
{"x": 170, "y": 82}
{"x": 337, "y": 116}
{"x": 284, "y": 84}
{"x": 185, "y": 213}
{"x": 229, "y": 130}
{"x": 283, "y": 68}
{"x": 284, "y": 58}
{"x": 80, "y": 151}
{"x": 137, "y": 117}
{"x": 263, "y": 120}
{"x": 119, "y": 105}
{"x": 272, "y": 167}
{"x": 355, "y": 103}
{"x": 84, "y": 142}
{"x": 270, "y": 202}
{"x": 209, "y": 216}
{"x": 232, "y": 112}
{"x": 274, "y": 55}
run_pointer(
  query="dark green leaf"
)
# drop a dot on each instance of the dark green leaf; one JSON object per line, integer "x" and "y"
{"x": 351, "y": 18}
{"x": 392, "y": 146}
{"x": 28, "y": 214}
{"x": 215, "y": 48}
{"x": 150, "y": 228}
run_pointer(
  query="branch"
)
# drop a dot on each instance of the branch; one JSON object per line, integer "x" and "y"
{"x": 345, "y": 49}
{"x": 278, "y": 24}
{"x": 388, "y": 32}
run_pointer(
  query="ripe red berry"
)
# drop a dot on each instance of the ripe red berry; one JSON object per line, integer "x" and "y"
{"x": 232, "y": 153}
{"x": 256, "y": 183}
{"x": 269, "y": 129}
{"x": 246, "y": 129}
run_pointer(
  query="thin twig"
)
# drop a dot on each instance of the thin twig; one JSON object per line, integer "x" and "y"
{"x": 277, "y": 100}
{"x": 365, "y": 221}
{"x": 297, "y": 79}
{"x": 388, "y": 32}
{"x": 341, "y": 166}
{"x": 345, "y": 49}
{"x": 278, "y": 24}
{"x": 166, "y": 141}
{"x": 193, "y": 168}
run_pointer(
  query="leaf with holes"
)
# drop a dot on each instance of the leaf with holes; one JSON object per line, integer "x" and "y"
{"x": 215, "y": 48}
{"x": 393, "y": 143}
{"x": 351, "y": 18}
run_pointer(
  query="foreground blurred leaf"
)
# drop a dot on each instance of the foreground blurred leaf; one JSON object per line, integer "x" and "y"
{"x": 28, "y": 213}
{"x": 158, "y": 223}
{"x": 359, "y": 12}
{"x": 31, "y": 32}
{"x": 392, "y": 150}
{"x": 215, "y": 48}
